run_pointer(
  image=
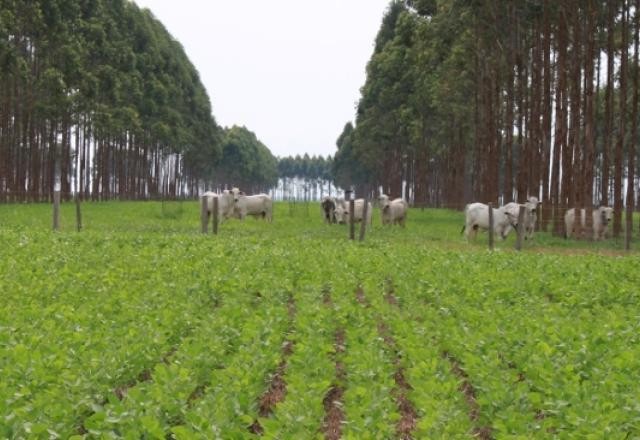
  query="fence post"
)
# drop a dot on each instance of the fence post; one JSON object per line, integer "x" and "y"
{"x": 352, "y": 225}
{"x": 490, "y": 226}
{"x": 215, "y": 216}
{"x": 204, "y": 216}
{"x": 628, "y": 220}
{"x": 520, "y": 229}
{"x": 56, "y": 210}
{"x": 78, "y": 214}
{"x": 363, "y": 226}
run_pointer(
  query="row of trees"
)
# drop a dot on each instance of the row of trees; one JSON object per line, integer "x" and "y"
{"x": 97, "y": 94}
{"x": 98, "y": 98}
{"x": 493, "y": 101}
{"x": 305, "y": 177}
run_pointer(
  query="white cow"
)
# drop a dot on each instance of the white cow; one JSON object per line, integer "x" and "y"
{"x": 342, "y": 203}
{"x": 393, "y": 211}
{"x": 477, "y": 217}
{"x": 259, "y": 205}
{"x": 529, "y": 215}
{"x": 602, "y": 216}
{"x": 530, "y": 222}
{"x": 342, "y": 212}
{"x": 225, "y": 204}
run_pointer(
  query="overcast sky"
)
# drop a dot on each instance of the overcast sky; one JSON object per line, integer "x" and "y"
{"x": 288, "y": 70}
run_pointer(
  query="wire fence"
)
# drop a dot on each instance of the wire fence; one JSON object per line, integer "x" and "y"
{"x": 600, "y": 224}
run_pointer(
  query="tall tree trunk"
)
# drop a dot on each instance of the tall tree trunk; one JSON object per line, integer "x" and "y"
{"x": 631, "y": 166}
{"x": 608, "y": 140}
{"x": 546, "y": 117}
{"x": 617, "y": 179}
{"x": 589, "y": 126}
{"x": 559, "y": 205}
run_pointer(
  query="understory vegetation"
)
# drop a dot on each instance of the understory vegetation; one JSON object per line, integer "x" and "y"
{"x": 140, "y": 326}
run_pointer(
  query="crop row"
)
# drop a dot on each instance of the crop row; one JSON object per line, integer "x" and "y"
{"x": 75, "y": 328}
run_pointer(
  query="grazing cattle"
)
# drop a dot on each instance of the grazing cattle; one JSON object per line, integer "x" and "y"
{"x": 529, "y": 215}
{"x": 342, "y": 212}
{"x": 259, "y": 205}
{"x": 602, "y": 216}
{"x": 328, "y": 206}
{"x": 341, "y": 203}
{"x": 225, "y": 204}
{"x": 393, "y": 211}
{"x": 477, "y": 217}
{"x": 530, "y": 221}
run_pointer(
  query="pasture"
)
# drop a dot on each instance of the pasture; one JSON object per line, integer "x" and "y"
{"x": 139, "y": 326}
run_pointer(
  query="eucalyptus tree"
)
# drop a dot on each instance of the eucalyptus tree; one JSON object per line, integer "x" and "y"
{"x": 246, "y": 162}
{"x": 100, "y": 96}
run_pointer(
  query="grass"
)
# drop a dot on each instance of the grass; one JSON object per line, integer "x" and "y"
{"x": 437, "y": 227}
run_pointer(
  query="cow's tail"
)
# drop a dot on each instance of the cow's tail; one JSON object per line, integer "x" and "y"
{"x": 463, "y": 228}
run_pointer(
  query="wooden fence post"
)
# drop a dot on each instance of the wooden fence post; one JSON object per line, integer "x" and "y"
{"x": 490, "y": 226}
{"x": 628, "y": 233}
{"x": 363, "y": 226}
{"x": 56, "y": 210}
{"x": 78, "y": 213}
{"x": 204, "y": 216}
{"x": 215, "y": 216}
{"x": 520, "y": 229}
{"x": 352, "y": 225}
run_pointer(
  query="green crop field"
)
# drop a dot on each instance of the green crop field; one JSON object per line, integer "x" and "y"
{"x": 140, "y": 326}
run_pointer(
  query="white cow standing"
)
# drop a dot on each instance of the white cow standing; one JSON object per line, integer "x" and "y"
{"x": 477, "y": 217}
{"x": 342, "y": 212}
{"x": 259, "y": 205}
{"x": 393, "y": 211}
{"x": 225, "y": 204}
{"x": 530, "y": 217}
{"x": 602, "y": 216}
{"x": 530, "y": 221}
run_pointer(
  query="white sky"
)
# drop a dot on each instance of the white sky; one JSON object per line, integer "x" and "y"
{"x": 288, "y": 70}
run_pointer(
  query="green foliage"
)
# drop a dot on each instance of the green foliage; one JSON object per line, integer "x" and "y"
{"x": 109, "y": 69}
{"x": 246, "y": 162}
{"x": 188, "y": 328}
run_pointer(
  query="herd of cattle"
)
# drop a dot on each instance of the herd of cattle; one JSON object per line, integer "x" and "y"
{"x": 336, "y": 210}
{"x": 236, "y": 204}
{"x": 505, "y": 219}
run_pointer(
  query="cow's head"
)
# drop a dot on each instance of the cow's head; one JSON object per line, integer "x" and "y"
{"x": 384, "y": 201}
{"x": 606, "y": 215}
{"x": 532, "y": 204}
{"x": 236, "y": 193}
{"x": 341, "y": 214}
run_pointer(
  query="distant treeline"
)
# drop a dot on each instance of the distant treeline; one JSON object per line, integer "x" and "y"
{"x": 305, "y": 177}
{"x": 495, "y": 100}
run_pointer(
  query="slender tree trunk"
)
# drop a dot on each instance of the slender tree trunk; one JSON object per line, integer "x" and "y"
{"x": 631, "y": 178}
{"x": 546, "y": 118}
{"x": 589, "y": 135}
{"x": 617, "y": 180}
{"x": 607, "y": 147}
{"x": 559, "y": 205}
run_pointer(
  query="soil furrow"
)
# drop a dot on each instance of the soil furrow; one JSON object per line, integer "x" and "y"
{"x": 408, "y": 413}
{"x": 467, "y": 388}
{"x": 277, "y": 389}
{"x": 332, "y": 426}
